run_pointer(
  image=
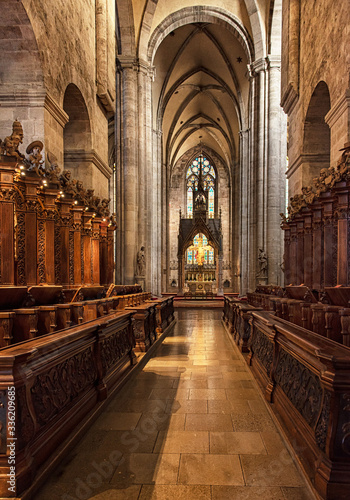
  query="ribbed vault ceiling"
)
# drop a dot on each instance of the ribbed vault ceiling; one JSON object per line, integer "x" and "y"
{"x": 200, "y": 92}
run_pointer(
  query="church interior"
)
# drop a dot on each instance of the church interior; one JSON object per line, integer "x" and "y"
{"x": 174, "y": 250}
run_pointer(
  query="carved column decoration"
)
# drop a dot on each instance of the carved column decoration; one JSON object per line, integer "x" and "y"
{"x": 328, "y": 244}
{"x": 75, "y": 235}
{"x": 343, "y": 236}
{"x": 31, "y": 183}
{"x": 66, "y": 220}
{"x": 300, "y": 251}
{"x": 86, "y": 247}
{"x": 293, "y": 253}
{"x": 7, "y": 198}
{"x": 95, "y": 249}
{"x": 49, "y": 198}
{"x": 110, "y": 252}
{"x": 317, "y": 245}
{"x": 286, "y": 260}
{"x": 308, "y": 262}
{"x": 103, "y": 253}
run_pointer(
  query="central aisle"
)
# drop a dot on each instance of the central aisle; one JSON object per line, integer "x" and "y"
{"x": 191, "y": 425}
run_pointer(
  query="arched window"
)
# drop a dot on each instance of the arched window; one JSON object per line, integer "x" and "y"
{"x": 202, "y": 171}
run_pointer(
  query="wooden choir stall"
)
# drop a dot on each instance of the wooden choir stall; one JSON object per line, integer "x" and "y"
{"x": 69, "y": 336}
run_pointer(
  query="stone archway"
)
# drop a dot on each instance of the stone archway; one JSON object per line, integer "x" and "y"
{"x": 77, "y": 134}
{"x": 317, "y": 136}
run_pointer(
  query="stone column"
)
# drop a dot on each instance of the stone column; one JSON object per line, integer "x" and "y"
{"x": 219, "y": 276}
{"x": 276, "y": 165}
{"x": 181, "y": 275}
{"x": 130, "y": 174}
{"x": 259, "y": 68}
{"x": 241, "y": 275}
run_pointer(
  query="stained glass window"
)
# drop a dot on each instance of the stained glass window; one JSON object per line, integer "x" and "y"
{"x": 189, "y": 203}
{"x": 211, "y": 203}
{"x": 201, "y": 167}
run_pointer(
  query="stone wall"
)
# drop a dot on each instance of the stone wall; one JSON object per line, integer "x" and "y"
{"x": 46, "y": 46}
{"x": 315, "y": 49}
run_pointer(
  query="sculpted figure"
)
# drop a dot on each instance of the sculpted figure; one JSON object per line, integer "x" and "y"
{"x": 68, "y": 184}
{"x": 262, "y": 259}
{"x": 113, "y": 220}
{"x": 283, "y": 217}
{"x": 104, "y": 207}
{"x": 53, "y": 170}
{"x": 308, "y": 194}
{"x": 319, "y": 185}
{"x": 81, "y": 193}
{"x": 35, "y": 157}
{"x": 141, "y": 262}
{"x": 11, "y": 143}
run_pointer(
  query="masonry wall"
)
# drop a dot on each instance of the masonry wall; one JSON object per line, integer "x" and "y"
{"x": 45, "y": 47}
{"x": 315, "y": 49}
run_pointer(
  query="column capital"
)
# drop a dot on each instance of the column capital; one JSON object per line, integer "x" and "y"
{"x": 257, "y": 66}
{"x": 273, "y": 61}
{"x": 139, "y": 65}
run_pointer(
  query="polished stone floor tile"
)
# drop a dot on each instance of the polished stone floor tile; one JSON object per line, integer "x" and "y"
{"x": 191, "y": 425}
{"x": 268, "y": 470}
{"x": 246, "y": 493}
{"x": 236, "y": 443}
{"x": 175, "y": 492}
{"x": 207, "y": 394}
{"x": 145, "y": 468}
{"x": 185, "y": 406}
{"x": 161, "y": 422}
{"x": 208, "y": 422}
{"x": 210, "y": 469}
{"x": 182, "y": 442}
{"x": 296, "y": 493}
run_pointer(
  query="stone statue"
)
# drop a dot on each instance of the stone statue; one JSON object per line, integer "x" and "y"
{"x": 141, "y": 262}
{"x": 262, "y": 259}
{"x": 35, "y": 157}
{"x": 11, "y": 143}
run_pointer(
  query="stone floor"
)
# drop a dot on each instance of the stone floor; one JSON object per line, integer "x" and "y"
{"x": 191, "y": 425}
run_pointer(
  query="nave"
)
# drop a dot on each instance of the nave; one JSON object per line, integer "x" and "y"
{"x": 190, "y": 425}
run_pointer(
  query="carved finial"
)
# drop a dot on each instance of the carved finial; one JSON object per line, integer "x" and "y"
{"x": 11, "y": 143}
{"x": 35, "y": 157}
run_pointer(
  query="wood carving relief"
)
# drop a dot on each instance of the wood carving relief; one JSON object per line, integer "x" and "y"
{"x": 115, "y": 347}
{"x": 262, "y": 348}
{"x": 58, "y": 387}
{"x": 25, "y": 420}
{"x": 300, "y": 385}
